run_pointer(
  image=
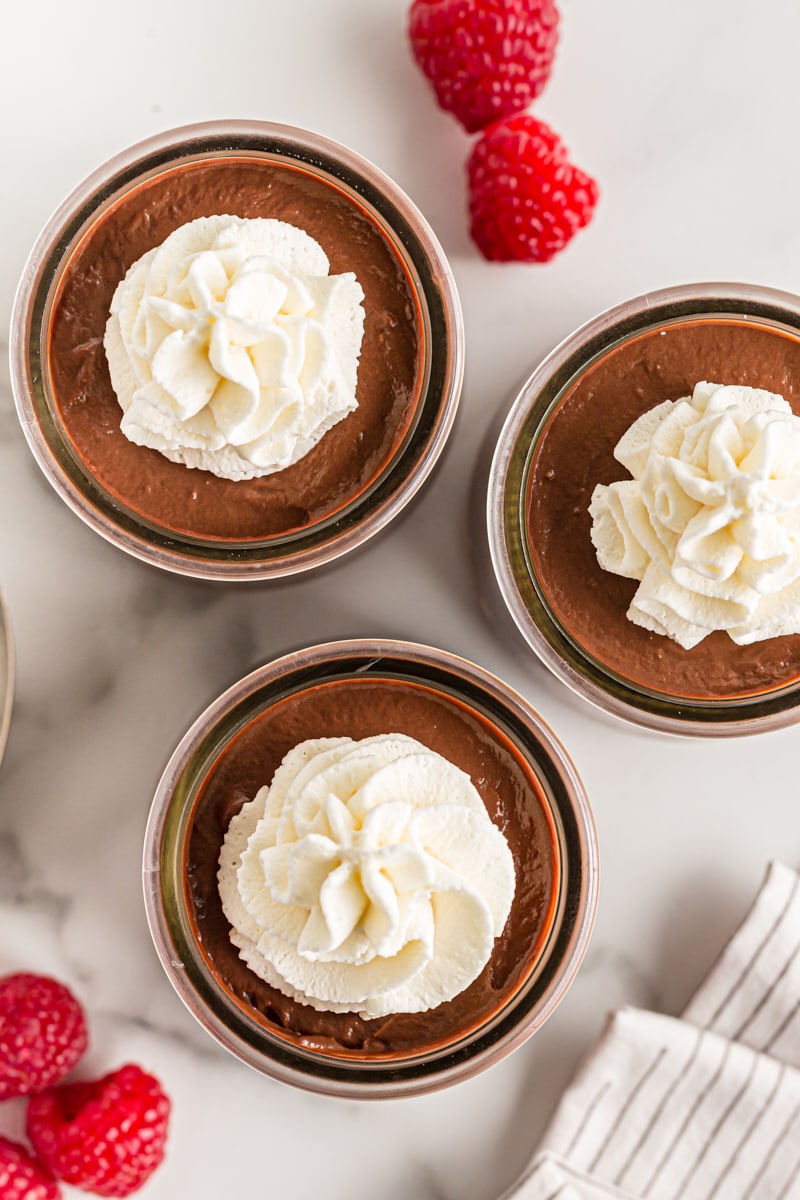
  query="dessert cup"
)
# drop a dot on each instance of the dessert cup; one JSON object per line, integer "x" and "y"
{"x": 362, "y": 473}
{"x": 530, "y": 788}
{"x": 557, "y": 444}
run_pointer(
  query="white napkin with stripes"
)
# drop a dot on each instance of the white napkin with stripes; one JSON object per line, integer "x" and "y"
{"x": 702, "y": 1107}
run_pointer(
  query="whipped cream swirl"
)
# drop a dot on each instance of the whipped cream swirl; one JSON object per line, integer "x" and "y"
{"x": 710, "y": 522}
{"x": 231, "y": 348}
{"x": 367, "y": 877}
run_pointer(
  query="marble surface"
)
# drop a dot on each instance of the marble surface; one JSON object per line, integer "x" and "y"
{"x": 685, "y": 113}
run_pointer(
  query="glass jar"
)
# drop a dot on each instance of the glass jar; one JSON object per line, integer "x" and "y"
{"x": 529, "y": 785}
{"x": 410, "y": 373}
{"x": 557, "y": 444}
{"x": 7, "y": 674}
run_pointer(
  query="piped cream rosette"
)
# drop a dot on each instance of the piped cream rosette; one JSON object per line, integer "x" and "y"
{"x": 367, "y": 877}
{"x": 231, "y": 348}
{"x": 710, "y": 522}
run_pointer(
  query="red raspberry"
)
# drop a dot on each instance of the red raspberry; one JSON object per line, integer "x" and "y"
{"x": 21, "y": 1177}
{"x": 526, "y": 199}
{"x": 42, "y": 1033}
{"x": 486, "y": 59}
{"x": 105, "y": 1136}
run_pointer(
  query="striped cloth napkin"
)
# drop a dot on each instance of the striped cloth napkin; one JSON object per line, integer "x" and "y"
{"x": 698, "y": 1107}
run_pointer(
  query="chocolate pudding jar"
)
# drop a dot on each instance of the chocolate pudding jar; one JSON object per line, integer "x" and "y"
{"x": 366, "y": 467}
{"x": 530, "y": 791}
{"x": 557, "y": 445}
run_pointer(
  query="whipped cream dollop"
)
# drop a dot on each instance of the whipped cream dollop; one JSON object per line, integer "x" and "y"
{"x": 366, "y": 877}
{"x": 231, "y": 348}
{"x": 710, "y": 522}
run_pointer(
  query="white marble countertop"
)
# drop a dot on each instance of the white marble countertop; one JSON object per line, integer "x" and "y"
{"x": 686, "y": 114}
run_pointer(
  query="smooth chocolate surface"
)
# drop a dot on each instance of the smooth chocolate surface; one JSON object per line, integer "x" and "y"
{"x": 361, "y": 708}
{"x": 576, "y": 453}
{"x": 344, "y": 462}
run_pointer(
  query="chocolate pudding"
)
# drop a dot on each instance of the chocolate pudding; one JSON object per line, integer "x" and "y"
{"x": 576, "y": 452}
{"x": 349, "y": 459}
{"x": 358, "y": 708}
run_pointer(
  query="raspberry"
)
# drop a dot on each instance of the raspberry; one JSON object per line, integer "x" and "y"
{"x": 42, "y": 1033}
{"x": 526, "y": 199}
{"x": 486, "y": 59}
{"x": 21, "y": 1177}
{"x": 105, "y": 1136}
